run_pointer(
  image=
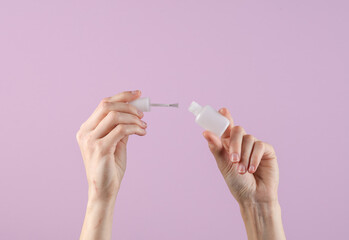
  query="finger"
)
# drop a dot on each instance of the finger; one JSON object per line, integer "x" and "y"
{"x": 214, "y": 143}
{"x": 121, "y": 131}
{"x": 269, "y": 151}
{"x": 246, "y": 150}
{"x": 225, "y": 112}
{"x": 236, "y": 135}
{"x": 107, "y": 106}
{"x": 256, "y": 156}
{"x": 114, "y": 118}
{"x": 126, "y": 96}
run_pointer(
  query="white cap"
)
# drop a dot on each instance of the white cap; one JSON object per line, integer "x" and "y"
{"x": 195, "y": 108}
{"x": 142, "y": 104}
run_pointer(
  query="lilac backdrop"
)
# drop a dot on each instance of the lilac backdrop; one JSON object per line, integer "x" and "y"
{"x": 281, "y": 67}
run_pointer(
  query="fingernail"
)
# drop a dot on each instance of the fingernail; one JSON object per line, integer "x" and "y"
{"x": 235, "y": 157}
{"x": 144, "y": 123}
{"x": 241, "y": 168}
{"x": 140, "y": 113}
{"x": 135, "y": 92}
{"x": 251, "y": 169}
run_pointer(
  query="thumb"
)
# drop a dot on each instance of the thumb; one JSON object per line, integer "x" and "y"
{"x": 125, "y": 140}
{"x": 214, "y": 143}
{"x": 120, "y": 149}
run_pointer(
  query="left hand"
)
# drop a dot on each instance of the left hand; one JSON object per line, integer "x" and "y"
{"x": 247, "y": 164}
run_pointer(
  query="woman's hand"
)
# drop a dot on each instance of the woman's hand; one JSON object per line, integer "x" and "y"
{"x": 248, "y": 165}
{"x": 103, "y": 139}
{"x": 250, "y": 170}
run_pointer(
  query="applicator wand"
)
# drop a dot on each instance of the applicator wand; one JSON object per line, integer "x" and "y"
{"x": 145, "y": 105}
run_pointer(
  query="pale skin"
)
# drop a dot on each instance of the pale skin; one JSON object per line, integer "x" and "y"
{"x": 248, "y": 166}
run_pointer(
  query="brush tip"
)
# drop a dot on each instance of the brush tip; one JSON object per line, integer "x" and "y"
{"x": 174, "y": 105}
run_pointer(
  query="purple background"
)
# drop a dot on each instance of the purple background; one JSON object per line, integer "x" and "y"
{"x": 281, "y": 67}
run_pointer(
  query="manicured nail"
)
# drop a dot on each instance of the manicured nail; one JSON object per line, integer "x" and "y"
{"x": 144, "y": 124}
{"x": 235, "y": 157}
{"x": 251, "y": 169}
{"x": 140, "y": 113}
{"x": 135, "y": 92}
{"x": 242, "y": 168}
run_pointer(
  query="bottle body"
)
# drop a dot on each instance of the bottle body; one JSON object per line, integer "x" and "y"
{"x": 211, "y": 120}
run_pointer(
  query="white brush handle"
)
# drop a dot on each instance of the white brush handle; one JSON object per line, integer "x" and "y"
{"x": 144, "y": 105}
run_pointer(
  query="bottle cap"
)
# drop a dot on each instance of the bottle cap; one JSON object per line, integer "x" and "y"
{"x": 142, "y": 104}
{"x": 195, "y": 108}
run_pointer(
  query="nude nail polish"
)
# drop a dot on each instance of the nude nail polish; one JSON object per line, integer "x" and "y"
{"x": 235, "y": 157}
{"x": 242, "y": 168}
{"x": 140, "y": 113}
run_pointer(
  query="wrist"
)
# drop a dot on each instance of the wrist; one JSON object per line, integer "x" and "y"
{"x": 262, "y": 220}
{"x": 269, "y": 208}
{"x": 101, "y": 198}
{"x": 100, "y": 207}
{"x": 98, "y": 218}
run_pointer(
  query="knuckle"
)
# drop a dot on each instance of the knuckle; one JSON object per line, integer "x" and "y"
{"x": 249, "y": 137}
{"x": 114, "y": 114}
{"x": 104, "y": 104}
{"x": 78, "y": 135}
{"x": 269, "y": 146}
{"x": 117, "y": 115}
{"x": 89, "y": 140}
{"x": 259, "y": 144}
{"x": 122, "y": 129}
{"x": 83, "y": 126}
{"x": 106, "y": 99}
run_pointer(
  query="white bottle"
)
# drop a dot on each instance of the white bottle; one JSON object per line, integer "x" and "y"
{"x": 208, "y": 118}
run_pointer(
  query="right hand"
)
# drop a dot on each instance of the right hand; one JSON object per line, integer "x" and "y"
{"x": 248, "y": 165}
{"x": 103, "y": 139}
